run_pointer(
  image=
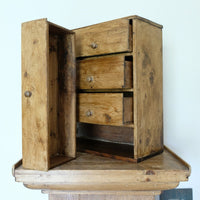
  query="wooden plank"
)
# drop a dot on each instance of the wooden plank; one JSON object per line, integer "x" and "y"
{"x": 35, "y": 108}
{"x": 100, "y": 108}
{"x": 128, "y": 110}
{"x": 59, "y": 159}
{"x": 108, "y": 149}
{"x": 104, "y": 73}
{"x": 148, "y": 100}
{"x": 136, "y": 186}
{"x": 128, "y": 77}
{"x": 67, "y": 97}
{"x": 53, "y": 94}
{"x": 103, "y": 38}
{"x": 95, "y": 173}
{"x": 161, "y": 164}
{"x": 107, "y": 133}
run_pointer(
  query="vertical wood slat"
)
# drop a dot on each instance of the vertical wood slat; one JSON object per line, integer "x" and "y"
{"x": 67, "y": 98}
{"x": 53, "y": 94}
{"x": 148, "y": 100}
{"x": 35, "y": 108}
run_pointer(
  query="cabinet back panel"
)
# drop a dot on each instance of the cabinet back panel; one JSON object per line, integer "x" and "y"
{"x": 107, "y": 133}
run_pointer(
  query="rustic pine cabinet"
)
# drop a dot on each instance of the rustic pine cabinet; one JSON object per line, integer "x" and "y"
{"x": 116, "y": 69}
{"x": 119, "y": 80}
{"x": 48, "y": 95}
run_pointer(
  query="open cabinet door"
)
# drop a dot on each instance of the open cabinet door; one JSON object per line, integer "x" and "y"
{"x": 48, "y": 95}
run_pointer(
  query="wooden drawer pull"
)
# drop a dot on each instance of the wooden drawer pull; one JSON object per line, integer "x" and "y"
{"x": 27, "y": 94}
{"x": 94, "y": 45}
{"x": 90, "y": 78}
{"x": 89, "y": 113}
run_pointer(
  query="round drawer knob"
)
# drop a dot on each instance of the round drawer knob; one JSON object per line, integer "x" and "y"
{"x": 27, "y": 94}
{"x": 89, "y": 113}
{"x": 89, "y": 78}
{"x": 94, "y": 45}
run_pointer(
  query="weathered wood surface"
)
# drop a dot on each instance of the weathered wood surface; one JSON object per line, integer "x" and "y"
{"x": 107, "y": 149}
{"x": 109, "y": 72}
{"x": 103, "y": 108}
{"x": 108, "y": 133}
{"x": 148, "y": 95}
{"x": 104, "y": 38}
{"x": 35, "y": 114}
{"x": 94, "y": 173}
{"x": 143, "y": 62}
{"x": 67, "y": 97}
{"x": 48, "y": 54}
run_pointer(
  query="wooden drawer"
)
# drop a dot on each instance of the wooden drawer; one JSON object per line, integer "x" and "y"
{"x": 105, "y": 108}
{"x": 107, "y": 72}
{"x": 105, "y": 38}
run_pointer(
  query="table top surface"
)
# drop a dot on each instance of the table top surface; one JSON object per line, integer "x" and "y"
{"x": 90, "y": 172}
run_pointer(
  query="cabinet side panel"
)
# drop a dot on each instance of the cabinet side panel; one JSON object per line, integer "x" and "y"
{"x": 35, "y": 102}
{"x": 67, "y": 98}
{"x": 148, "y": 89}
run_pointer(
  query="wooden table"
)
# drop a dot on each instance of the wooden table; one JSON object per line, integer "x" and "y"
{"x": 91, "y": 177}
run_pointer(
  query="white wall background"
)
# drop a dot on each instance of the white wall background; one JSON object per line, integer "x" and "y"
{"x": 181, "y": 42}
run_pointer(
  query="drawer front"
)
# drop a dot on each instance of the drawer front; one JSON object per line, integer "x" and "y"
{"x": 105, "y": 38}
{"x": 105, "y": 72}
{"x": 104, "y": 108}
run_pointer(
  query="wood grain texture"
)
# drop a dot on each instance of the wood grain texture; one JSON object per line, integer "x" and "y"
{"x": 110, "y": 37}
{"x": 108, "y": 149}
{"x": 102, "y": 108}
{"x": 145, "y": 67}
{"x": 35, "y": 116}
{"x": 106, "y": 133}
{"x": 104, "y": 73}
{"x": 136, "y": 186}
{"x": 148, "y": 97}
{"x": 128, "y": 77}
{"x": 47, "y": 55}
{"x": 94, "y": 173}
{"x": 53, "y": 94}
{"x": 128, "y": 110}
{"x": 67, "y": 97}
{"x": 105, "y": 108}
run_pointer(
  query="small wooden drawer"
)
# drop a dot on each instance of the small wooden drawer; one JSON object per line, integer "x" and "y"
{"x": 107, "y": 72}
{"x": 105, "y": 38}
{"x": 105, "y": 108}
